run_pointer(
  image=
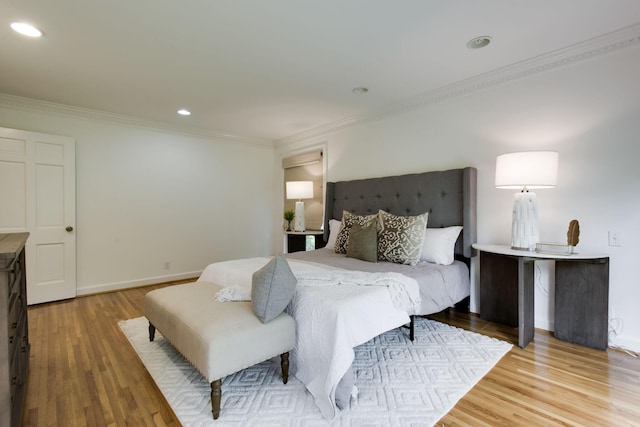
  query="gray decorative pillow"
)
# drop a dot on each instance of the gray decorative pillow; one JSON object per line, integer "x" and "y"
{"x": 348, "y": 219}
{"x": 400, "y": 237}
{"x": 363, "y": 242}
{"x": 272, "y": 288}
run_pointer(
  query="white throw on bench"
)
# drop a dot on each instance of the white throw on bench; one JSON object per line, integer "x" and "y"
{"x": 217, "y": 338}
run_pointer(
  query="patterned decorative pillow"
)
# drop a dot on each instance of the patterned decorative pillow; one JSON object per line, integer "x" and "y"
{"x": 348, "y": 219}
{"x": 400, "y": 238}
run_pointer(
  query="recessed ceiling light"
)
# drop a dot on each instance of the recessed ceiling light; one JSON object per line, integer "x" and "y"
{"x": 359, "y": 90}
{"x": 479, "y": 42}
{"x": 184, "y": 112}
{"x": 26, "y": 29}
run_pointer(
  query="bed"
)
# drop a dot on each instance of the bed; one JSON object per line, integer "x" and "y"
{"x": 448, "y": 196}
{"x": 332, "y": 320}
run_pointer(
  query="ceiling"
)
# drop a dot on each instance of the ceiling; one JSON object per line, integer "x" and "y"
{"x": 268, "y": 70}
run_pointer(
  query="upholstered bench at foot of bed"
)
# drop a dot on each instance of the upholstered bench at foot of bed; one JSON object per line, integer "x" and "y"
{"x": 218, "y": 338}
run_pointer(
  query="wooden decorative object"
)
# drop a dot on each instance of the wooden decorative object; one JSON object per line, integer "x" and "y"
{"x": 573, "y": 237}
{"x": 573, "y": 233}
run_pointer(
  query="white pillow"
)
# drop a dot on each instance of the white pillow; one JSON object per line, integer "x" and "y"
{"x": 439, "y": 243}
{"x": 334, "y": 229}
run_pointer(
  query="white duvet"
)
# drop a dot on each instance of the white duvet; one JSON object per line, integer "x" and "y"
{"x": 335, "y": 310}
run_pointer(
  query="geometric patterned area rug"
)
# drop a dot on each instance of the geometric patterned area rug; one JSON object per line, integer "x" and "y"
{"x": 400, "y": 383}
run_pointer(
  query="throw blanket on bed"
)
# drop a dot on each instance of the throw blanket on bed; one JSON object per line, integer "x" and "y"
{"x": 403, "y": 290}
{"x": 335, "y": 311}
{"x": 236, "y": 277}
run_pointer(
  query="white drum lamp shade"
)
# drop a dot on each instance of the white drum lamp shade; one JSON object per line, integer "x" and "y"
{"x": 299, "y": 190}
{"x": 525, "y": 171}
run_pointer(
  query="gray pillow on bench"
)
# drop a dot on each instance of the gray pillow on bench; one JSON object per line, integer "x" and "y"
{"x": 272, "y": 288}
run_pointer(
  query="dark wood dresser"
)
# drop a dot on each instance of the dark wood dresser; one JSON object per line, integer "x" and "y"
{"x": 14, "y": 329}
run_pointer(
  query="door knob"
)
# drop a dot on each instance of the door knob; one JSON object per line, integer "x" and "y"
{"x": 69, "y": 228}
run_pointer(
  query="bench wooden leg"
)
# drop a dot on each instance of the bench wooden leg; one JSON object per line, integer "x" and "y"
{"x": 412, "y": 328}
{"x": 284, "y": 364}
{"x": 152, "y": 332}
{"x": 216, "y": 395}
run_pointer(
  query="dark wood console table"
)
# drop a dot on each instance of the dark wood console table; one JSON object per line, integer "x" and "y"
{"x": 581, "y": 293}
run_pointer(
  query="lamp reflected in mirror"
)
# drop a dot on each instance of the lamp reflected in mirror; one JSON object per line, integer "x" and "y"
{"x": 299, "y": 190}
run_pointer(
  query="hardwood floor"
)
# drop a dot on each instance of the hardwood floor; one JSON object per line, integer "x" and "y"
{"x": 550, "y": 382}
{"x": 83, "y": 372}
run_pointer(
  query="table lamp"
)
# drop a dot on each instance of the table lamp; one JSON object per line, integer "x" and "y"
{"x": 525, "y": 171}
{"x": 299, "y": 190}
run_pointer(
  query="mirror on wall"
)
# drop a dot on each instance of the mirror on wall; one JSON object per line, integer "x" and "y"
{"x": 306, "y": 167}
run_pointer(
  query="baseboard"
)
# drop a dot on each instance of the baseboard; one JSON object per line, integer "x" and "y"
{"x": 545, "y": 325}
{"x": 108, "y": 287}
{"x": 622, "y": 343}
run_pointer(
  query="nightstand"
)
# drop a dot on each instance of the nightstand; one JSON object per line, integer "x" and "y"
{"x": 581, "y": 293}
{"x": 296, "y": 241}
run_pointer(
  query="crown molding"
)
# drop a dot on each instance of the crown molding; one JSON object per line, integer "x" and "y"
{"x": 35, "y": 105}
{"x": 589, "y": 49}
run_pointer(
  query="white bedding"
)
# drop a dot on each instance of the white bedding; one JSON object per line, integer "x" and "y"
{"x": 332, "y": 317}
{"x": 441, "y": 286}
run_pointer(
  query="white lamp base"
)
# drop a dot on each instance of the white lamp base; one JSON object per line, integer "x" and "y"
{"x": 524, "y": 225}
{"x": 298, "y": 221}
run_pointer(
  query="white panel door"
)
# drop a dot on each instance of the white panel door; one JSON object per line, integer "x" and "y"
{"x": 37, "y": 189}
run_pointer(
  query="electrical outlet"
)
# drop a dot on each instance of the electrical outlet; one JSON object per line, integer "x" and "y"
{"x": 615, "y": 239}
{"x": 167, "y": 265}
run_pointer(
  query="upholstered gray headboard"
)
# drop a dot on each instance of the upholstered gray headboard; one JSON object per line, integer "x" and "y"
{"x": 449, "y": 197}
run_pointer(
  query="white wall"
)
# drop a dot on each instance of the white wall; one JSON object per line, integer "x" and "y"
{"x": 146, "y": 196}
{"x": 588, "y": 111}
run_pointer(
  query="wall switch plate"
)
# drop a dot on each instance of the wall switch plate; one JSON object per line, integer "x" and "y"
{"x": 614, "y": 238}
